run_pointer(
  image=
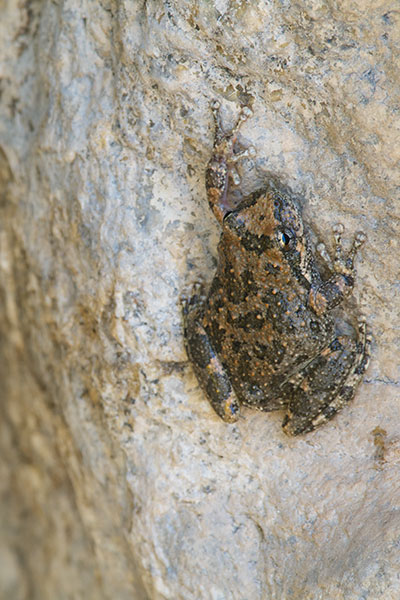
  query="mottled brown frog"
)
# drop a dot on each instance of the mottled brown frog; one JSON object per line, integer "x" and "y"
{"x": 267, "y": 335}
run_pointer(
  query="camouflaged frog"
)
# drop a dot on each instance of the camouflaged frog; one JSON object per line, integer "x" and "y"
{"x": 265, "y": 335}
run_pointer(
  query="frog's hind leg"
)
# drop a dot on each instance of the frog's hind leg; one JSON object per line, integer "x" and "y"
{"x": 323, "y": 387}
{"x": 208, "y": 368}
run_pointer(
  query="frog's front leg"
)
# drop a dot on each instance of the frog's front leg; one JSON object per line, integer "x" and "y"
{"x": 329, "y": 294}
{"x": 208, "y": 367}
{"x": 220, "y": 166}
{"x": 324, "y": 386}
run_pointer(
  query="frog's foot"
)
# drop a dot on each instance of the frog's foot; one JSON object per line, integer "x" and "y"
{"x": 224, "y": 140}
{"x": 345, "y": 264}
{"x": 331, "y": 293}
{"x": 342, "y": 264}
{"x": 317, "y": 392}
{"x": 220, "y": 167}
{"x": 208, "y": 368}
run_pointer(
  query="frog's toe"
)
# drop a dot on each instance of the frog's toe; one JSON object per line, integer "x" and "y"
{"x": 298, "y": 425}
{"x": 227, "y": 408}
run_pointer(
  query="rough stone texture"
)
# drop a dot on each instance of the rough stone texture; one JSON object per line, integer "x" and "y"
{"x": 117, "y": 480}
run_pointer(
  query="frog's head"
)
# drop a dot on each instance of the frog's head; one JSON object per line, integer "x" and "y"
{"x": 270, "y": 227}
{"x": 289, "y": 235}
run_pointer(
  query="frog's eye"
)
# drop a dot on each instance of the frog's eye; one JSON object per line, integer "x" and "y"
{"x": 286, "y": 239}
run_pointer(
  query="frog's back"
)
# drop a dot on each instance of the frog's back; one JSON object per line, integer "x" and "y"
{"x": 256, "y": 313}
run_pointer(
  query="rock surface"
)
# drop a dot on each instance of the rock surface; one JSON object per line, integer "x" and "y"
{"x": 117, "y": 479}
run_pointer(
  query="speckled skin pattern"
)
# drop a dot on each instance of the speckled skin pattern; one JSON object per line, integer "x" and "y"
{"x": 266, "y": 334}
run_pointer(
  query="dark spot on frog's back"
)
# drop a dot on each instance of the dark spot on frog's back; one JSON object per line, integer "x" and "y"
{"x": 236, "y": 346}
{"x": 260, "y": 350}
{"x": 249, "y": 283}
{"x": 272, "y": 269}
{"x": 252, "y": 320}
{"x": 231, "y": 290}
{"x": 250, "y": 241}
{"x": 234, "y": 291}
{"x": 276, "y": 303}
{"x": 244, "y": 365}
{"x": 256, "y": 243}
{"x": 279, "y": 351}
{"x": 276, "y": 351}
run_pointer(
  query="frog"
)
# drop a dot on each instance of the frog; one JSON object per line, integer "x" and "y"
{"x": 273, "y": 331}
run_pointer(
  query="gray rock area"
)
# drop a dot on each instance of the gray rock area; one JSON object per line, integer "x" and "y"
{"x": 117, "y": 479}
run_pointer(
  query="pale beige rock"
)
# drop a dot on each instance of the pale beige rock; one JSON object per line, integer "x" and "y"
{"x": 117, "y": 479}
